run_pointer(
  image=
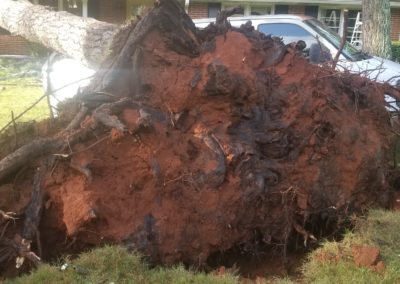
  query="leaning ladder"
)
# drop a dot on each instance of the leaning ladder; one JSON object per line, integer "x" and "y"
{"x": 356, "y": 39}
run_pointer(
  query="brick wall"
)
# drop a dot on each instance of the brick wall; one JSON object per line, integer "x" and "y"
{"x": 296, "y": 9}
{"x": 13, "y": 45}
{"x": 198, "y": 10}
{"x": 112, "y": 11}
{"x": 395, "y": 24}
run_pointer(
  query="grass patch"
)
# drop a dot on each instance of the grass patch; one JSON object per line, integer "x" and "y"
{"x": 20, "y": 87}
{"x": 333, "y": 262}
{"x": 113, "y": 264}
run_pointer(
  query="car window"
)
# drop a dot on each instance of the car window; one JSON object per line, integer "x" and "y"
{"x": 288, "y": 32}
{"x": 349, "y": 51}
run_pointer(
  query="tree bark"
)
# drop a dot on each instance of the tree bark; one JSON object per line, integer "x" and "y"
{"x": 376, "y": 27}
{"x": 84, "y": 39}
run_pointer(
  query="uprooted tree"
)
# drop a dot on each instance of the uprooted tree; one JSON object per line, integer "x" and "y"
{"x": 192, "y": 142}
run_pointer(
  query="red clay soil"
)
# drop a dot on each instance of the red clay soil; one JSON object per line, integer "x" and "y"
{"x": 298, "y": 143}
{"x": 367, "y": 256}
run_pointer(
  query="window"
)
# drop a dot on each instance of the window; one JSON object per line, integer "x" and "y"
{"x": 249, "y": 9}
{"x": 288, "y": 32}
{"x": 228, "y": 6}
{"x": 93, "y": 9}
{"x": 349, "y": 50}
{"x": 213, "y": 9}
{"x": 331, "y": 18}
{"x": 260, "y": 10}
{"x": 311, "y": 11}
{"x": 281, "y": 9}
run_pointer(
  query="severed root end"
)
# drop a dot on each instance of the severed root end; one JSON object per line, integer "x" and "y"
{"x": 24, "y": 252}
{"x": 104, "y": 114}
{"x": 306, "y": 235}
{"x": 21, "y": 249}
{"x": 8, "y": 215}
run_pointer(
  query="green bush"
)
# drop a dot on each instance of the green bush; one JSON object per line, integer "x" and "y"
{"x": 38, "y": 50}
{"x": 396, "y": 51}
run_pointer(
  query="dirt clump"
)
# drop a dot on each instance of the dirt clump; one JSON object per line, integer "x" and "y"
{"x": 367, "y": 256}
{"x": 215, "y": 142}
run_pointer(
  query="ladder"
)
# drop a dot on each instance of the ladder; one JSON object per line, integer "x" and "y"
{"x": 356, "y": 39}
{"x": 332, "y": 21}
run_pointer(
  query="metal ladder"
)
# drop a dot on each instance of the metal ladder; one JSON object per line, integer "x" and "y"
{"x": 356, "y": 39}
{"x": 331, "y": 21}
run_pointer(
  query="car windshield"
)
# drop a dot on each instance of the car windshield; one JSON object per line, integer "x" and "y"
{"x": 349, "y": 51}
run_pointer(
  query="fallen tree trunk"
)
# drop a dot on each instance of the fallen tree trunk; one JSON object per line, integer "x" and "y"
{"x": 215, "y": 139}
{"x": 84, "y": 39}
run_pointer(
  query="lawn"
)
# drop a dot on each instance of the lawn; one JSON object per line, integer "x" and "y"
{"x": 20, "y": 87}
{"x": 113, "y": 264}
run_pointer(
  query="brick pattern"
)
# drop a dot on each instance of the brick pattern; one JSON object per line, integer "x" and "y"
{"x": 395, "y": 35}
{"x": 112, "y": 11}
{"x": 297, "y": 9}
{"x": 198, "y": 10}
{"x": 13, "y": 45}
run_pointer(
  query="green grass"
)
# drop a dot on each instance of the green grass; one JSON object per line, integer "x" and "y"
{"x": 18, "y": 91}
{"x": 113, "y": 264}
{"x": 333, "y": 262}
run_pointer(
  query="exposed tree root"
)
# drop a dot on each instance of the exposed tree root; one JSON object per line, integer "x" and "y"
{"x": 8, "y": 215}
{"x": 210, "y": 138}
{"x": 17, "y": 159}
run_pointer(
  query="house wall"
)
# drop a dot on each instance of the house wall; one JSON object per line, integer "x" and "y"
{"x": 198, "y": 10}
{"x": 13, "y": 45}
{"x": 112, "y": 11}
{"x": 395, "y": 35}
{"x": 297, "y": 9}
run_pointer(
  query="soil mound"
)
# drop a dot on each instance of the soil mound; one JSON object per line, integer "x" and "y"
{"x": 224, "y": 138}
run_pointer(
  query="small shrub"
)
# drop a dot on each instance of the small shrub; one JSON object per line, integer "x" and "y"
{"x": 396, "y": 51}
